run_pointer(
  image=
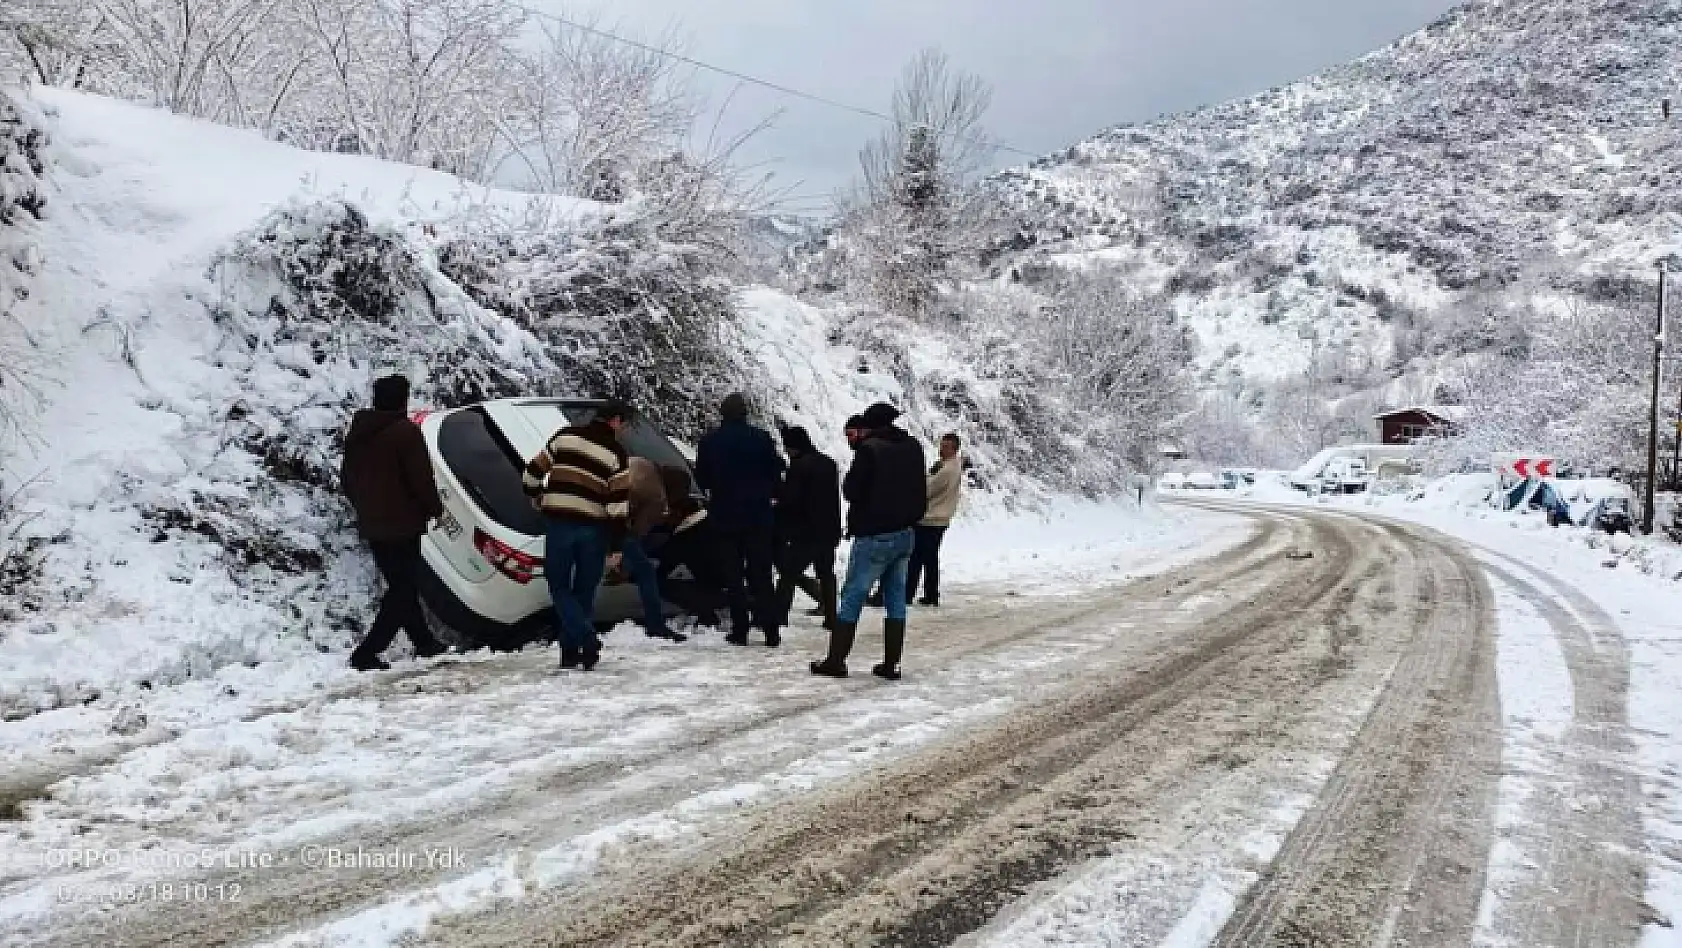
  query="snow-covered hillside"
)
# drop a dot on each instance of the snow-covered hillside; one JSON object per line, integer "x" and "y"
{"x": 1345, "y": 217}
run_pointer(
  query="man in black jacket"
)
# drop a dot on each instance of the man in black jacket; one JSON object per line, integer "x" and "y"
{"x": 387, "y": 476}
{"x": 886, "y": 497}
{"x": 809, "y": 515}
{"x": 738, "y": 466}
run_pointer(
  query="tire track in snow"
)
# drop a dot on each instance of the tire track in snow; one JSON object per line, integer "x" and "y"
{"x": 1583, "y": 872}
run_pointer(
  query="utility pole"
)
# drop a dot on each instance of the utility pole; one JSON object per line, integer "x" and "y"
{"x": 1647, "y": 510}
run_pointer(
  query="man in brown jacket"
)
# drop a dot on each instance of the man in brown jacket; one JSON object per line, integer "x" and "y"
{"x": 648, "y": 510}
{"x": 387, "y": 475}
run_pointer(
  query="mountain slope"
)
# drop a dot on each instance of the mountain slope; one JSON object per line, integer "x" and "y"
{"x": 1512, "y": 142}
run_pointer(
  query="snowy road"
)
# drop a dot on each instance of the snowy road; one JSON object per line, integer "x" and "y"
{"x": 1266, "y": 749}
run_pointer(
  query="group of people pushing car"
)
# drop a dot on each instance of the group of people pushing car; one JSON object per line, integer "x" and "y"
{"x": 747, "y": 527}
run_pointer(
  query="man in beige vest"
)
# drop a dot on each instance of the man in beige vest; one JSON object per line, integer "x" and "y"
{"x": 945, "y": 485}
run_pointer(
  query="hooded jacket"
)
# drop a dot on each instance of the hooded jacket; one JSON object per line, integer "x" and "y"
{"x": 884, "y": 487}
{"x": 387, "y": 476}
{"x": 946, "y": 487}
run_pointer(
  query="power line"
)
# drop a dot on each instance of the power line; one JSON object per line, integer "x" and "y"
{"x": 739, "y": 76}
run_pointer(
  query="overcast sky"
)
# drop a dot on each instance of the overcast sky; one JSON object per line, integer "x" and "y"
{"x": 1061, "y": 69}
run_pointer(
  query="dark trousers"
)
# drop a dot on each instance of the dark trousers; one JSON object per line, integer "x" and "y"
{"x": 925, "y": 559}
{"x": 399, "y": 562}
{"x": 574, "y": 559}
{"x": 747, "y": 578}
{"x": 798, "y": 556}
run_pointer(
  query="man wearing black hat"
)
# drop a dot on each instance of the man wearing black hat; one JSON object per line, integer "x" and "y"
{"x": 809, "y": 515}
{"x": 738, "y": 466}
{"x": 886, "y": 498}
{"x": 387, "y": 476}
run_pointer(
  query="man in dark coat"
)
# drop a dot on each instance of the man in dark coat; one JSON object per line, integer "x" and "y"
{"x": 809, "y": 515}
{"x": 739, "y": 468}
{"x": 886, "y": 497}
{"x": 387, "y": 476}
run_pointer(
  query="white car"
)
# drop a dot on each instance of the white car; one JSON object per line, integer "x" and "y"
{"x": 1202, "y": 480}
{"x": 1171, "y": 482}
{"x": 483, "y": 576}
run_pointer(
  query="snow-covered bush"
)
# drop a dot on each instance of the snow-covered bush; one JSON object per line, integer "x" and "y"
{"x": 23, "y": 202}
{"x": 318, "y": 302}
{"x": 619, "y": 313}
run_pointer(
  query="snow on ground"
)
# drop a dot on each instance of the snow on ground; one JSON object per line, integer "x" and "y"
{"x": 1635, "y": 581}
{"x": 271, "y": 758}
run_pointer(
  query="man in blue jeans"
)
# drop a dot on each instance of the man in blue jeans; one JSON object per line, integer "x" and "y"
{"x": 581, "y": 481}
{"x": 886, "y": 498}
{"x": 648, "y": 510}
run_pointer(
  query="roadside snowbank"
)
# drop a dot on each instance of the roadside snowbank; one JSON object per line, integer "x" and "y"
{"x": 1632, "y": 579}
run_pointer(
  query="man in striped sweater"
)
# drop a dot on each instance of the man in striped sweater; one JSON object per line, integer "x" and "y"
{"x": 581, "y": 481}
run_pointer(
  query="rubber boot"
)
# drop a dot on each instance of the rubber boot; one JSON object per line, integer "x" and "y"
{"x": 826, "y": 601}
{"x": 893, "y": 646}
{"x": 840, "y": 646}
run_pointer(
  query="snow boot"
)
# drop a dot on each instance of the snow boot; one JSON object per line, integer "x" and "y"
{"x": 737, "y": 638}
{"x": 840, "y": 646}
{"x": 363, "y": 663}
{"x": 893, "y": 647}
{"x": 569, "y": 657}
{"x": 589, "y": 657}
{"x": 773, "y": 638}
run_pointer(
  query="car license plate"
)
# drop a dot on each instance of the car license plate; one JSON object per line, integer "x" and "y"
{"x": 448, "y": 524}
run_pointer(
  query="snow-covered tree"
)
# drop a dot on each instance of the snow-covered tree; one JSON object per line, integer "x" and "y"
{"x": 1123, "y": 362}
{"x": 918, "y": 218}
{"x": 593, "y": 111}
{"x": 56, "y": 42}
{"x": 23, "y": 202}
{"x": 418, "y": 81}
{"x": 190, "y": 54}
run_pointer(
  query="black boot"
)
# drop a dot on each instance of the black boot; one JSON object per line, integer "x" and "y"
{"x": 367, "y": 663}
{"x": 773, "y": 637}
{"x": 893, "y": 647}
{"x": 569, "y": 657}
{"x": 589, "y": 657}
{"x": 840, "y": 646}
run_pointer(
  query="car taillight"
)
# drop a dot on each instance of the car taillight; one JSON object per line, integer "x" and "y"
{"x": 521, "y": 567}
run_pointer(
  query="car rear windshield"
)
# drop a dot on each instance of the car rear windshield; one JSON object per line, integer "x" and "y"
{"x": 640, "y": 439}
{"x": 489, "y": 470}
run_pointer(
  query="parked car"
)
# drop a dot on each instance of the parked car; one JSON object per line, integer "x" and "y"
{"x": 1171, "y": 482}
{"x": 483, "y": 560}
{"x": 1202, "y": 480}
{"x": 1344, "y": 475}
